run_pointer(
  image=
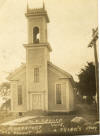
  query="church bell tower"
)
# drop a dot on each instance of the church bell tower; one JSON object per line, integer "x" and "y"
{"x": 37, "y": 56}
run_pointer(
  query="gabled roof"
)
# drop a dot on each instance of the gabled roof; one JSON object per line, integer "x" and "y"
{"x": 19, "y": 69}
{"x": 68, "y": 76}
{"x": 60, "y": 70}
{"x": 16, "y": 71}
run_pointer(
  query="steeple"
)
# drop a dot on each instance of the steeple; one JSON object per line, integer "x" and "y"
{"x": 27, "y": 6}
{"x": 37, "y": 53}
{"x": 37, "y": 28}
{"x": 43, "y": 5}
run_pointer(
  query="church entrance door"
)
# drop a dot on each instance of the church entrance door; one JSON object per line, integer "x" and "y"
{"x": 36, "y": 102}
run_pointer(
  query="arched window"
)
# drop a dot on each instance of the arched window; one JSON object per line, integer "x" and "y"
{"x": 36, "y": 35}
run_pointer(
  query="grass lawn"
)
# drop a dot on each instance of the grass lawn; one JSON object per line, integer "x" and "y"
{"x": 55, "y": 122}
{"x": 84, "y": 110}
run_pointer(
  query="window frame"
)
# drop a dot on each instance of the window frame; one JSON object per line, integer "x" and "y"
{"x": 20, "y": 95}
{"x": 36, "y": 75}
{"x": 56, "y": 94}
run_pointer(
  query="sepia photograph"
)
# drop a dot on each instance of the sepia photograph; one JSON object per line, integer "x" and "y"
{"x": 49, "y": 68}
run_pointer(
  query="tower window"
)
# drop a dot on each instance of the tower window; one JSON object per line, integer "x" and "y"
{"x": 36, "y": 35}
{"x": 19, "y": 94}
{"x": 36, "y": 74}
{"x": 58, "y": 94}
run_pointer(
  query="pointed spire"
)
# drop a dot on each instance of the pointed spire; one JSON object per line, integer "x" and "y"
{"x": 27, "y": 6}
{"x": 43, "y": 5}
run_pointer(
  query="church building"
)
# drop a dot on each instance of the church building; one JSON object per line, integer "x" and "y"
{"x": 39, "y": 84}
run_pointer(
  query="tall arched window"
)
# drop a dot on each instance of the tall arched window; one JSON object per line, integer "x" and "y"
{"x": 36, "y": 35}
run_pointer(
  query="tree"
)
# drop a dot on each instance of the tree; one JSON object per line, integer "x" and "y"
{"x": 5, "y": 91}
{"x": 87, "y": 83}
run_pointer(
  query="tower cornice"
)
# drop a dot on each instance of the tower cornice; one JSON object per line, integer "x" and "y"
{"x": 31, "y": 45}
{"x": 37, "y": 12}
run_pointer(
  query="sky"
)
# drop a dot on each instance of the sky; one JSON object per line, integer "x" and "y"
{"x": 69, "y": 33}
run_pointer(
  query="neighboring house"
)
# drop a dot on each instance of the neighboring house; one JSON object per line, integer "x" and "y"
{"x": 39, "y": 84}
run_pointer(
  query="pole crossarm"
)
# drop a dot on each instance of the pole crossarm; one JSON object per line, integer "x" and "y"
{"x": 95, "y": 37}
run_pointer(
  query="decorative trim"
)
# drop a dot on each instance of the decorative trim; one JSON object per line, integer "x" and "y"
{"x": 60, "y": 70}
{"x": 37, "y": 92}
{"x": 37, "y": 12}
{"x": 31, "y": 45}
{"x": 23, "y": 66}
{"x": 14, "y": 80}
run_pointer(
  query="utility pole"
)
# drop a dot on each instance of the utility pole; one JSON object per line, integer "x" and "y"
{"x": 93, "y": 44}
